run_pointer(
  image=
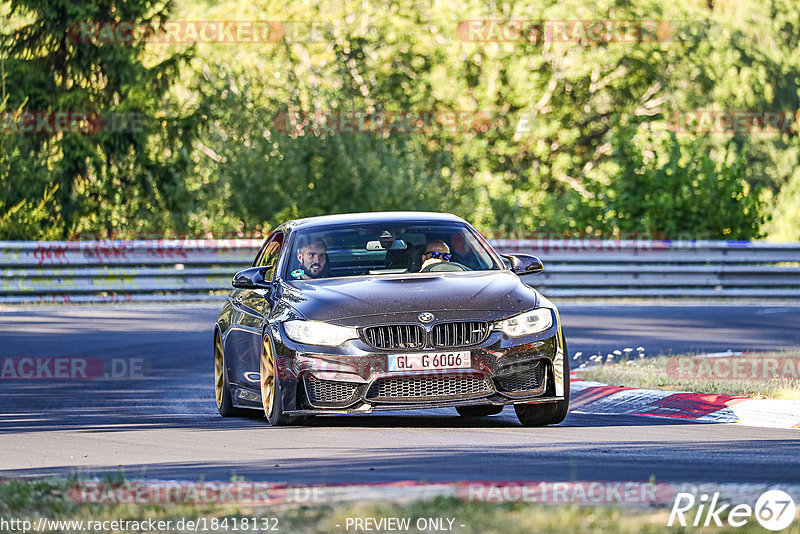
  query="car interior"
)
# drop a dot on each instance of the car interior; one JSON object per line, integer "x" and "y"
{"x": 363, "y": 253}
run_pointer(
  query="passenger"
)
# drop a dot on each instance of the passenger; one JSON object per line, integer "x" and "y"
{"x": 436, "y": 251}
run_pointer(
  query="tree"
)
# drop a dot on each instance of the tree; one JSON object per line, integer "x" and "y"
{"x": 572, "y": 122}
{"x": 666, "y": 186}
{"x": 128, "y": 176}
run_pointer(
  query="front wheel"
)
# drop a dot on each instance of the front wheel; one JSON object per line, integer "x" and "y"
{"x": 550, "y": 413}
{"x": 271, "y": 392}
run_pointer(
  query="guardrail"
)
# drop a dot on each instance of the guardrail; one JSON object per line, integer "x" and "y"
{"x": 181, "y": 270}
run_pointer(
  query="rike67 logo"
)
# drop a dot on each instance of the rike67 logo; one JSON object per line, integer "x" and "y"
{"x": 774, "y": 510}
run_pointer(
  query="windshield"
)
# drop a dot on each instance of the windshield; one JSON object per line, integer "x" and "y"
{"x": 385, "y": 248}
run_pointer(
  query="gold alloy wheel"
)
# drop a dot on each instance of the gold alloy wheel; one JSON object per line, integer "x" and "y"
{"x": 219, "y": 376}
{"x": 267, "y": 377}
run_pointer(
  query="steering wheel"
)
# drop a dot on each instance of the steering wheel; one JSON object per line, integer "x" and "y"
{"x": 444, "y": 266}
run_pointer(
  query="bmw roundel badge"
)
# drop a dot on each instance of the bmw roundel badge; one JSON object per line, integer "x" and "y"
{"x": 425, "y": 317}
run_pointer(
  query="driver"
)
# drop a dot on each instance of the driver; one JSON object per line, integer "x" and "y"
{"x": 312, "y": 253}
{"x": 436, "y": 251}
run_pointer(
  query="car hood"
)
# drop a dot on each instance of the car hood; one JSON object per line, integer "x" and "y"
{"x": 450, "y": 296}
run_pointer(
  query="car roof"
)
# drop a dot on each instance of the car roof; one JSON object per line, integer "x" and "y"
{"x": 373, "y": 217}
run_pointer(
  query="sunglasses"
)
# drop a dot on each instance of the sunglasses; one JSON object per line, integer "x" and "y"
{"x": 436, "y": 254}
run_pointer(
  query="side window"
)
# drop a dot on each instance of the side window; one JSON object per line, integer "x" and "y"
{"x": 256, "y": 262}
{"x": 271, "y": 252}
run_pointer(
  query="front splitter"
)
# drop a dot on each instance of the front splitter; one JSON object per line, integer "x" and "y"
{"x": 369, "y": 408}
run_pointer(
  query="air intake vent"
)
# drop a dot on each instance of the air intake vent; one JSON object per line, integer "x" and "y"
{"x": 428, "y": 388}
{"x": 530, "y": 380}
{"x": 330, "y": 393}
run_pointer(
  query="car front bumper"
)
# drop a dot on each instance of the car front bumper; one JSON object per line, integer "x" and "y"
{"x": 356, "y": 379}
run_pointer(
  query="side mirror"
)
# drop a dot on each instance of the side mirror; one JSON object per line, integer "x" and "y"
{"x": 524, "y": 263}
{"x": 252, "y": 278}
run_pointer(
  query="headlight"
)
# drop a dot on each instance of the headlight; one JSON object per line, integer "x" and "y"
{"x": 531, "y": 322}
{"x": 319, "y": 333}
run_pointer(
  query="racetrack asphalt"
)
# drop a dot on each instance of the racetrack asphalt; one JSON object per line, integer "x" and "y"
{"x": 163, "y": 424}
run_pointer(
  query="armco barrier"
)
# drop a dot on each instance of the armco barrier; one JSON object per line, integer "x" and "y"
{"x": 112, "y": 271}
{"x": 181, "y": 270}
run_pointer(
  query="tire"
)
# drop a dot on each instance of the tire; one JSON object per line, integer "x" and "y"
{"x": 222, "y": 390}
{"x": 479, "y": 411}
{"x": 271, "y": 392}
{"x": 550, "y": 413}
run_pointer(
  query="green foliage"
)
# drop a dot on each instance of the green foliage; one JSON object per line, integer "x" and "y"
{"x": 785, "y": 223}
{"x": 107, "y": 179}
{"x": 576, "y": 140}
{"x": 570, "y": 169}
{"x": 267, "y": 175}
{"x": 25, "y": 219}
{"x": 660, "y": 183}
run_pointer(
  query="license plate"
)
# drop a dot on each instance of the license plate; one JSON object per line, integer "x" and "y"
{"x": 432, "y": 360}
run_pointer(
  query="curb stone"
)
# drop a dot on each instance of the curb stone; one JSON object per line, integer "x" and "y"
{"x": 596, "y": 398}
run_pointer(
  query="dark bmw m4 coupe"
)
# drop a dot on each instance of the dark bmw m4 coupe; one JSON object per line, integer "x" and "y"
{"x": 350, "y": 314}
